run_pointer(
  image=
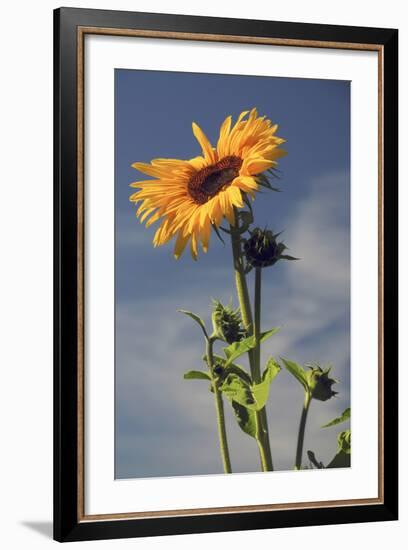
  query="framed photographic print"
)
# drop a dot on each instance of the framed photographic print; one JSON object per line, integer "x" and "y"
{"x": 225, "y": 274}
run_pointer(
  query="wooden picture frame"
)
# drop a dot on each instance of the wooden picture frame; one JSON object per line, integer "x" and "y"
{"x": 70, "y": 28}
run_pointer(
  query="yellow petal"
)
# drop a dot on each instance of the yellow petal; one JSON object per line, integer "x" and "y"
{"x": 194, "y": 218}
{"x": 153, "y": 219}
{"x": 180, "y": 245}
{"x": 204, "y": 143}
{"x": 205, "y": 234}
{"x": 143, "y": 183}
{"x": 216, "y": 212}
{"x": 235, "y": 196}
{"x": 222, "y": 144}
{"x": 147, "y": 212}
{"x": 154, "y": 171}
{"x": 229, "y": 213}
{"x": 144, "y": 206}
{"x": 204, "y": 215}
{"x": 169, "y": 163}
{"x": 198, "y": 163}
{"x": 256, "y": 166}
{"x": 134, "y": 197}
{"x": 277, "y": 154}
{"x": 157, "y": 236}
{"x": 193, "y": 246}
{"x": 246, "y": 183}
{"x": 223, "y": 202}
{"x": 241, "y": 116}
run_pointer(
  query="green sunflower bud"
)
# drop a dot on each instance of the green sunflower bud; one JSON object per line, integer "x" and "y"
{"x": 320, "y": 384}
{"x": 263, "y": 250}
{"x": 344, "y": 442}
{"x": 227, "y": 323}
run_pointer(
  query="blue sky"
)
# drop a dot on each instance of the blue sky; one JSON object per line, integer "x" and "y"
{"x": 164, "y": 425}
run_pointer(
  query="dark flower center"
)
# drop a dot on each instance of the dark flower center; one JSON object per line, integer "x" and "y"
{"x": 209, "y": 181}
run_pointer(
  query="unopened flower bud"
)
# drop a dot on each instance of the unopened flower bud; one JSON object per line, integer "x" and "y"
{"x": 320, "y": 384}
{"x": 227, "y": 323}
{"x": 263, "y": 250}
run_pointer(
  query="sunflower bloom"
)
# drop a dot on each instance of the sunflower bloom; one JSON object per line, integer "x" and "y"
{"x": 189, "y": 196}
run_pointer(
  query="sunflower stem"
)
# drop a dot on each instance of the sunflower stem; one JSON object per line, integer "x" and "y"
{"x": 302, "y": 428}
{"x": 257, "y": 323}
{"x": 219, "y": 407}
{"x": 246, "y": 314}
{"x": 257, "y": 360}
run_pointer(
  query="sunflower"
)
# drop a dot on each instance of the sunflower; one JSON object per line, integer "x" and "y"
{"x": 189, "y": 196}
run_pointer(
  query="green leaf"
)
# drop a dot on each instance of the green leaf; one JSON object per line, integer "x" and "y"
{"x": 197, "y": 319}
{"x": 248, "y": 203}
{"x": 231, "y": 368}
{"x": 274, "y": 172}
{"x": 218, "y": 233}
{"x": 344, "y": 441}
{"x": 239, "y": 371}
{"x": 235, "y": 350}
{"x": 196, "y": 375}
{"x": 268, "y": 334}
{"x": 255, "y": 396}
{"x": 237, "y": 390}
{"x": 264, "y": 182}
{"x": 342, "y": 418}
{"x": 271, "y": 370}
{"x": 287, "y": 257}
{"x": 261, "y": 390}
{"x": 245, "y": 418}
{"x": 341, "y": 460}
{"x": 343, "y": 456}
{"x": 297, "y": 371}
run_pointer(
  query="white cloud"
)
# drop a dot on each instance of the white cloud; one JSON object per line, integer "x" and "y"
{"x": 313, "y": 295}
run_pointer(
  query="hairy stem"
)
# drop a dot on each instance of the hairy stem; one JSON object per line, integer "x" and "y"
{"x": 302, "y": 428}
{"x": 257, "y": 363}
{"x": 240, "y": 282}
{"x": 257, "y": 323}
{"x": 219, "y": 407}
{"x": 246, "y": 314}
